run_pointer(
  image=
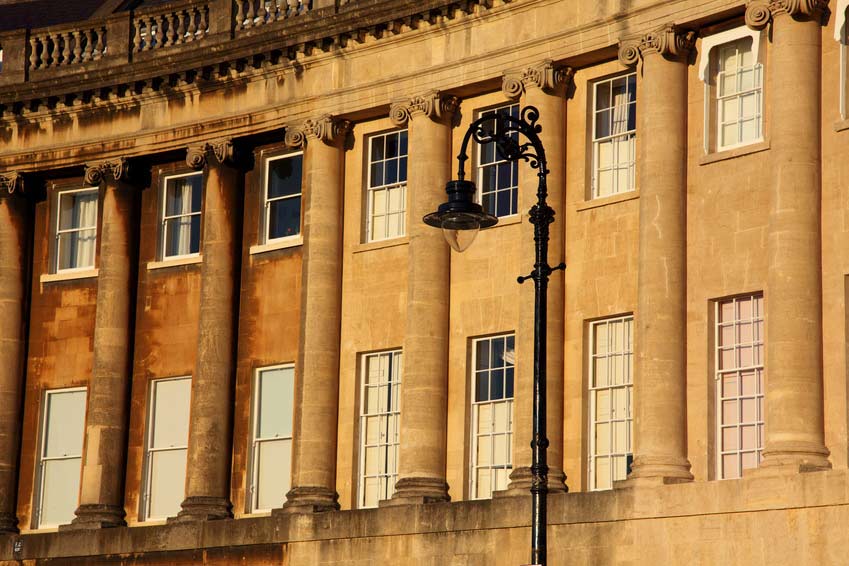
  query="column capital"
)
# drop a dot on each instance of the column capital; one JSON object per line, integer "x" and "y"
{"x": 669, "y": 40}
{"x": 435, "y": 105}
{"x": 198, "y": 155}
{"x": 545, "y": 75}
{"x": 326, "y": 128}
{"x": 760, "y": 12}
{"x": 11, "y": 182}
{"x": 98, "y": 171}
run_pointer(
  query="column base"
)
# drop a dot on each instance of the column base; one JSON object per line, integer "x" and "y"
{"x": 795, "y": 457}
{"x": 653, "y": 470}
{"x": 309, "y": 499}
{"x": 203, "y": 508}
{"x": 9, "y": 523}
{"x": 418, "y": 491}
{"x": 96, "y": 516}
{"x": 521, "y": 480}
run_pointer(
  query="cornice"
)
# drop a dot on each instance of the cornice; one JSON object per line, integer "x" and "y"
{"x": 546, "y": 76}
{"x": 669, "y": 40}
{"x": 199, "y": 155}
{"x": 327, "y": 129}
{"x": 11, "y": 182}
{"x": 759, "y": 13}
{"x": 110, "y": 169}
{"x": 432, "y": 104}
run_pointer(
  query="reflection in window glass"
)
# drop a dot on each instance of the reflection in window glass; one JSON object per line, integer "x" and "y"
{"x": 181, "y": 215}
{"x": 76, "y": 230}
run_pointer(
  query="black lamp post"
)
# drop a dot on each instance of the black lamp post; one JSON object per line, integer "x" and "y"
{"x": 460, "y": 219}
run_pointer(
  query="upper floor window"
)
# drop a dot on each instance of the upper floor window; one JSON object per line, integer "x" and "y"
{"x": 387, "y": 186}
{"x": 498, "y": 179}
{"x": 271, "y": 438}
{"x": 739, "y": 385}
{"x": 733, "y": 76}
{"x": 76, "y": 229}
{"x": 60, "y": 456}
{"x": 281, "y": 197}
{"x": 614, "y": 135}
{"x": 166, "y": 448}
{"x": 181, "y": 213}
{"x": 379, "y": 426}
{"x": 492, "y": 414}
{"x": 611, "y": 400}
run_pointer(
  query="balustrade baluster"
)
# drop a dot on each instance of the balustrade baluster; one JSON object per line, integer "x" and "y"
{"x": 203, "y": 26}
{"x": 78, "y": 50}
{"x": 33, "y": 52}
{"x": 249, "y": 17}
{"x": 192, "y": 28}
{"x": 100, "y": 46}
{"x": 168, "y": 32}
{"x": 151, "y": 33}
{"x": 64, "y": 40}
{"x": 136, "y": 36}
{"x": 261, "y": 13}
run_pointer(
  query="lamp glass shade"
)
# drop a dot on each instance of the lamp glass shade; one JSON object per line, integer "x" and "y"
{"x": 459, "y": 240}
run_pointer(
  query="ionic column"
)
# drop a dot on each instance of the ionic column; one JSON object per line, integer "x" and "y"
{"x": 317, "y": 370}
{"x": 15, "y": 226}
{"x": 424, "y": 393}
{"x": 210, "y": 424}
{"x": 102, "y": 483}
{"x": 795, "y": 438}
{"x": 660, "y": 373}
{"x": 543, "y": 86}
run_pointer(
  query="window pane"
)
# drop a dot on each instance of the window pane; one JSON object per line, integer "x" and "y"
{"x": 65, "y": 424}
{"x": 167, "y": 483}
{"x": 284, "y": 218}
{"x": 178, "y": 236}
{"x": 172, "y": 398}
{"x": 275, "y": 468}
{"x": 60, "y": 492}
{"x": 284, "y": 176}
{"x": 276, "y": 398}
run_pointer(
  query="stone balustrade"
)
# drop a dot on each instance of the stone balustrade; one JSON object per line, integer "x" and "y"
{"x": 169, "y": 26}
{"x": 253, "y": 13}
{"x": 71, "y": 46}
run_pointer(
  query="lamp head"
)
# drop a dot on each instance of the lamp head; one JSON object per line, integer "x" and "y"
{"x": 461, "y": 217}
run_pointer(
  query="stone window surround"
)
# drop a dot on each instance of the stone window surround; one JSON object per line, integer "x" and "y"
{"x": 161, "y": 204}
{"x": 158, "y": 175}
{"x": 263, "y": 244}
{"x": 478, "y": 113}
{"x": 368, "y": 191}
{"x": 706, "y": 69}
{"x": 592, "y": 85}
{"x": 52, "y": 274}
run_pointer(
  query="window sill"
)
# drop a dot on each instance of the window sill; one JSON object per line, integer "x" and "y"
{"x": 380, "y": 244}
{"x": 150, "y": 523}
{"x": 282, "y": 244}
{"x": 507, "y": 221}
{"x": 733, "y": 153}
{"x": 165, "y": 263}
{"x": 68, "y": 275}
{"x": 605, "y": 201}
{"x": 841, "y": 125}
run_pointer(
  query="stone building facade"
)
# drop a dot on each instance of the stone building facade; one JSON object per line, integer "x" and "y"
{"x": 226, "y": 337}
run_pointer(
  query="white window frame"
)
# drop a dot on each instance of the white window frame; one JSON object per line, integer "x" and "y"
{"x": 253, "y": 462}
{"x": 760, "y": 399}
{"x": 163, "y": 218}
{"x": 266, "y": 202}
{"x": 628, "y": 349}
{"x": 708, "y": 71}
{"x": 473, "y": 464}
{"x": 58, "y": 231}
{"x": 841, "y": 35}
{"x": 371, "y": 190}
{"x": 42, "y": 443}
{"x": 629, "y": 134}
{"x": 396, "y": 414}
{"x": 144, "y": 504}
{"x": 514, "y": 189}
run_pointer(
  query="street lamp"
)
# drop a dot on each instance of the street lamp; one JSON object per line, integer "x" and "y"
{"x": 461, "y": 218}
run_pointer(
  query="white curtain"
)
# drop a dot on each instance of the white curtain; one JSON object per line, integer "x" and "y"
{"x": 184, "y": 237}
{"x": 179, "y": 225}
{"x": 620, "y": 112}
{"x": 85, "y": 217}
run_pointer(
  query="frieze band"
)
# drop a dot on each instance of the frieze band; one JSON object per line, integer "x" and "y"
{"x": 99, "y": 171}
{"x": 197, "y": 156}
{"x": 326, "y": 128}
{"x": 668, "y": 40}
{"x": 545, "y": 76}
{"x": 433, "y": 104}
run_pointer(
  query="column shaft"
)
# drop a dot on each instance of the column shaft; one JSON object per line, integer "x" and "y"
{"x": 424, "y": 393}
{"x": 15, "y": 222}
{"x": 550, "y": 100}
{"x": 102, "y": 484}
{"x": 794, "y": 375}
{"x": 317, "y": 370}
{"x": 210, "y": 425}
{"x": 660, "y": 380}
